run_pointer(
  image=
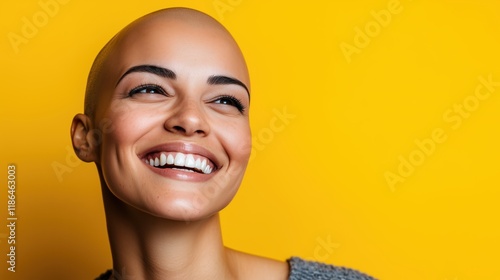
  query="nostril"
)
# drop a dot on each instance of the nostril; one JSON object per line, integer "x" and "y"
{"x": 179, "y": 128}
{"x": 186, "y": 124}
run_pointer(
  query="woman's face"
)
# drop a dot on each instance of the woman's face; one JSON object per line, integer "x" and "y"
{"x": 177, "y": 101}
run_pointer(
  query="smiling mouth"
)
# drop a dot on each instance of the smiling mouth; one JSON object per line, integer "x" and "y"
{"x": 180, "y": 161}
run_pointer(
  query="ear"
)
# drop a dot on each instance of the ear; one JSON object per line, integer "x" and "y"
{"x": 81, "y": 137}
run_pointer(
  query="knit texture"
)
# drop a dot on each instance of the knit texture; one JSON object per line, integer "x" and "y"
{"x": 306, "y": 270}
{"x": 309, "y": 270}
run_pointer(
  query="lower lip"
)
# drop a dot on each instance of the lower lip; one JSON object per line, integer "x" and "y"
{"x": 181, "y": 175}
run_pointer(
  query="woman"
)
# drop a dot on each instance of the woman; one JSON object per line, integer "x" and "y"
{"x": 166, "y": 123}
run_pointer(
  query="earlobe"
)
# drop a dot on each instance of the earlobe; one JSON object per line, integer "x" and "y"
{"x": 81, "y": 129}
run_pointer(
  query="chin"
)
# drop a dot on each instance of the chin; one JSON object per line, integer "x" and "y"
{"x": 185, "y": 208}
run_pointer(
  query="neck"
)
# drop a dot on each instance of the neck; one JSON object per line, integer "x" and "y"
{"x": 148, "y": 247}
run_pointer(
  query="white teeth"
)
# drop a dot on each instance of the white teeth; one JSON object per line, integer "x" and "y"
{"x": 170, "y": 159}
{"x": 207, "y": 170}
{"x": 163, "y": 159}
{"x": 180, "y": 159}
{"x": 190, "y": 161}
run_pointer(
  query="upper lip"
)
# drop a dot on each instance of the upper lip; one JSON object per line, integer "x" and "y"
{"x": 182, "y": 147}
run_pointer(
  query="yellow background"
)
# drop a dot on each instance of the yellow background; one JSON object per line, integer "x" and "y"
{"x": 315, "y": 179}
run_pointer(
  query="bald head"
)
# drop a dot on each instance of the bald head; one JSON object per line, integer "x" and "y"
{"x": 153, "y": 39}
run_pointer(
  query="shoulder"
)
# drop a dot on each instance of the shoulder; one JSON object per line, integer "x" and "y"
{"x": 309, "y": 270}
{"x": 248, "y": 266}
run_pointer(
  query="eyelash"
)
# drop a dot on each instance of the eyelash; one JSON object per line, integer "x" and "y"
{"x": 236, "y": 102}
{"x": 147, "y": 87}
{"x": 137, "y": 90}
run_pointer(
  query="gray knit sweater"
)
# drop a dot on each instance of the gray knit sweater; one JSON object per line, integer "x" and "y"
{"x": 306, "y": 270}
{"x": 309, "y": 270}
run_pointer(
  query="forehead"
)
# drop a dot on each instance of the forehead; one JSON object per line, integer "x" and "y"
{"x": 187, "y": 48}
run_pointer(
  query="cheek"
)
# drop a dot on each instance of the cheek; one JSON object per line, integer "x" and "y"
{"x": 118, "y": 156}
{"x": 237, "y": 140}
{"x": 129, "y": 124}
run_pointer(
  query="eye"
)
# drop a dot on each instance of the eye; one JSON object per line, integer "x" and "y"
{"x": 231, "y": 101}
{"x": 148, "y": 89}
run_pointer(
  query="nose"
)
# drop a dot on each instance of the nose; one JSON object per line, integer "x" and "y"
{"x": 187, "y": 119}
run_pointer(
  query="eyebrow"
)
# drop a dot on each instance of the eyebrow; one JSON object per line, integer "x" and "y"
{"x": 167, "y": 73}
{"x": 159, "y": 71}
{"x": 224, "y": 80}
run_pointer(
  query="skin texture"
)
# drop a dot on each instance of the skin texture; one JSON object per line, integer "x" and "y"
{"x": 164, "y": 223}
